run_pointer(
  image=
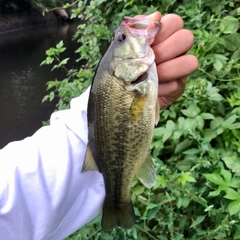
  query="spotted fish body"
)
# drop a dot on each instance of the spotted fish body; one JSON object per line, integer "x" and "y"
{"x": 122, "y": 112}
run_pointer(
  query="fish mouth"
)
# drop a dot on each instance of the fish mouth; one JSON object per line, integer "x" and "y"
{"x": 143, "y": 77}
{"x": 142, "y": 26}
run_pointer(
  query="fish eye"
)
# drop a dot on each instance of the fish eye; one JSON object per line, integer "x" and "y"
{"x": 122, "y": 37}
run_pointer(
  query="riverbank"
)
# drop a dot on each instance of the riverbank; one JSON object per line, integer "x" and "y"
{"x": 13, "y": 21}
{"x": 23, "y": 81}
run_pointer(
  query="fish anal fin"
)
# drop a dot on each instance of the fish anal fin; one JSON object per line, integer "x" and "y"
{"x": 121, "y": 215}
{"x": 157, "y": 109}
{"x": 89, "y": 163}
{"x": 147, "y": 173}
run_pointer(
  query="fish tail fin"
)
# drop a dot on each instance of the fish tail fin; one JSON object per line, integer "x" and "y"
{"x": 120, "y": 215}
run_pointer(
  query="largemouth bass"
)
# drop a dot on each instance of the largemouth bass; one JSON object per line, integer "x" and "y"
{"x": 122, "y": 111}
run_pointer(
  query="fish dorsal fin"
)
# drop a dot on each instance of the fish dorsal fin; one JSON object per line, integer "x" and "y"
{"x": 89, "y": 163}
{"x": 147, "y": 173}
{"x": 157, "y": 109}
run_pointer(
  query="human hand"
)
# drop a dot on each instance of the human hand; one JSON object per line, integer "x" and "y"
{"x": 173, "y": 64}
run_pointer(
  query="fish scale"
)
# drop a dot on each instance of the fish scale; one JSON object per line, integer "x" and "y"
{"x": 122, "y": 111}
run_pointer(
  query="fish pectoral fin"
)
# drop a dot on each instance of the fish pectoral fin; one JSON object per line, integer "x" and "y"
{"x": 89, "y": 163}
{"x": 157, "y": 109}
{"x": 147, "y": 173}
{"x": 137, "y": 107}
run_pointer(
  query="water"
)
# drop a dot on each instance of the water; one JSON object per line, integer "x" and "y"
{"x": 23, "y": 81}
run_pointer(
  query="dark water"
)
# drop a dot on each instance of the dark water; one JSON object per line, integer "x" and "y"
{"x": 23, "y": 81}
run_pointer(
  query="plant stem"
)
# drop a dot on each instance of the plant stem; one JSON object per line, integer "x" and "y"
{"x": 219, "y": 79}
{"x": 55, "y": 8}
{"x": 150, "y": 235}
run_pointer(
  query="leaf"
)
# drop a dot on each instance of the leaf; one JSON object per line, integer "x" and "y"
{"x": 215, "y": 193}
{"x": 236, "y": 56}
{"x": 139, "y": 189}
{"x": 207, "y": 116}
{"x": 67, "y": 5}
{"x": 199, "y": 122}
{"x": 64, "y": 61}
{"x": 228, "y": 25}
{"x": 51, "y": 96}
{"x": 170, "y": 125}
{"x": 226, "y": 174}
{"x": 152, "y": 213}
{"x": 234, "y": 126}
{"x": 183, "y": 145}
{"x": 134, "y": 233}
{"x": 235, "y": 182}
{"x": 219, "y": 130}
{"x": 209, "y": 134}
{"x": 142, "y": 199}
{"x": 232, "y": 161}
{"x": 52, "y": 84}
{"x": 234, "y": 207}
{"x": 152, "y": 205}
{"x": 179, "y": 236}
{"x": 203, "y": 202}
{"x": 45, "y": 98}
{"x": 166, "y": 136}
{"x": 186, "y": 177}
{"x": 185, "y": 165}
{"x": 215, "y": 123}
{"x": 50, "y": 52}
{"x": 177, "y": 135}
{"x": 158, "y": 132}
{"x": 161, "y": 182}
{"x": 213, "y": 91}
{"x": 232, "y": 42}
{"x": 232, "y": 194}
{"x": 60, "y": 44}
{"x": 215, "y": 178}
{"x": 198, "y": 221}
{"x": 192, "y": 151}
{"x": 191, "y": 112}
{"x": 192, "y": 123}
{"x": 47, "y": 61}
{"x": 182, "y": 202}
{"x": 218, "y": 65}
{"x": 228, "y": 122}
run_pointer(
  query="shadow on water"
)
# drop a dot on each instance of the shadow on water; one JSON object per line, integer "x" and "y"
{"x": 23, "y": 81}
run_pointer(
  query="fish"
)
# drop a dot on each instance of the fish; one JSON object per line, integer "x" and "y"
{"x": 122, "y": 112}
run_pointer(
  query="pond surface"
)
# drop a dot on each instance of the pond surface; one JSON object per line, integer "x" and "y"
{"x": 23, "y": 81}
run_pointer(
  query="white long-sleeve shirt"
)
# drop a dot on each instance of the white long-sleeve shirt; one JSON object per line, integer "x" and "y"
{"x": 43, "y": 193}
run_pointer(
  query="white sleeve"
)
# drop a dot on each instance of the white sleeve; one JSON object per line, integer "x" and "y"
{"x": 43, "y": 194}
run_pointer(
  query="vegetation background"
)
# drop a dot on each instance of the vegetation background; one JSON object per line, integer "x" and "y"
{"x": 196, "y": 145}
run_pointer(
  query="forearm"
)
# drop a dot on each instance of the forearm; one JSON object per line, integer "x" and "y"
{"x": 43, "y": 194}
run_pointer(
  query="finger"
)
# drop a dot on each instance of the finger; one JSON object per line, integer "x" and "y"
{"x": 174, "y": 88}
{"x": 171, "y": 91}
{"x": 177, "y": 68}
{"x": 178, "y": 43}
{"x": 170, "y": 23}
{"x": 154, "y": 16}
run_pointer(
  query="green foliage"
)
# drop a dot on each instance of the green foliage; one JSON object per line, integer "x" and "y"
{"x": 197, "y": 142}
{"x": 93, "y": 34}
{"x": 69, "y": 87}
{"x": 28, "y": 5}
